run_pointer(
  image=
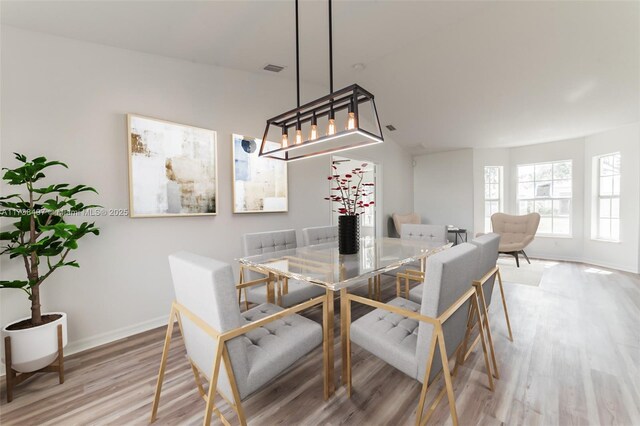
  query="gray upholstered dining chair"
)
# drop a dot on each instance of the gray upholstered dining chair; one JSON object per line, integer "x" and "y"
{"x": 516, "y": 232}
{"x": 319, "y": 235}
{"x": 414, "y": 272}
{"x": 236, "y": 353}
{"x": 488, "y": 272}
{"x": 401, "y": 219}
{"x": 290, "y": 292}
{"x": 419, "y": 339}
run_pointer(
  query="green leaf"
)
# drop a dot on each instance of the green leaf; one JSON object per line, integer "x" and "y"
{"x": 14, "y": 284}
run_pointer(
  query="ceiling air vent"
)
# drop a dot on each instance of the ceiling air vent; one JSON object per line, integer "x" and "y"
{"x": 390, "y": 127}
{"x": 273, "y": 68}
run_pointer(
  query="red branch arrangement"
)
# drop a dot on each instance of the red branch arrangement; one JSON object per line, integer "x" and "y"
{"x": 350, "y": 190}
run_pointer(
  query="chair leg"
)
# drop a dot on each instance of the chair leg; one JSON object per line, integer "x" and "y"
{"x": 163, "y": 365}
{"x": 213, "y": 385}
{"x": 397, "y": 286}
{"x": 425, "y": 382}
{"x": 504, "y": 305}
{"x": 515, "y": 254}
{"x": 485, "y": 311}
{"x": 526, "y": 257}
{"x": 345, "y": 315}
{"x": 447, "y": 376}
{"x": 487, "y": 364}
{"x": 234, "y": 387}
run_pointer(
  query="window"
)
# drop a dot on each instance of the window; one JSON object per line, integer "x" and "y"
{"x": 546, "y": 188}
{"x": 492, "y": 193}
{"x": 608, "y": 199}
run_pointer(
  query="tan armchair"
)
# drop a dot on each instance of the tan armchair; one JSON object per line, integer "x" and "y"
{"x": 516, "y": 232}
{"x": 401, "y": 219}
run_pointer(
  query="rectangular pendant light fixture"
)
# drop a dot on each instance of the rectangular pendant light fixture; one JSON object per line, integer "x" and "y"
{"x": 342, "y": 120}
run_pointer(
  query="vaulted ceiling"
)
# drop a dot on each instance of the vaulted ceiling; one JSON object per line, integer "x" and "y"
{"x": 447, "y": 75}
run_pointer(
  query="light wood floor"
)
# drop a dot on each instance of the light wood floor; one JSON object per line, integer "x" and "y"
{"x": 575, "y": 360}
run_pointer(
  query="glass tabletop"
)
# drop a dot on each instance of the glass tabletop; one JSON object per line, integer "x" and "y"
{"x": 322, "y": 264}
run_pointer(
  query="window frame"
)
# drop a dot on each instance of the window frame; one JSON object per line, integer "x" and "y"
{"x": 488, "y": 226}
{"x": 550, "y": 198}
{"x": 599, "y": 197}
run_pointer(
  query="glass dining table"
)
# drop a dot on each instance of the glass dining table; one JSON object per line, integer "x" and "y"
{"x": 324, "y": 266}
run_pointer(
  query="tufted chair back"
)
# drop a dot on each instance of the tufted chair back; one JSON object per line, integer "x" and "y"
{"x": 516, "y": 232}
{"x": 205, "y": 287}
{"x": 424, "y": 232}
{"x": 267, "y": 242}
{"x": 319, "y": 235}
{"x": 448, "y": 276}
{"x": 401, "y": 219}
{"x": 488, "y": 245}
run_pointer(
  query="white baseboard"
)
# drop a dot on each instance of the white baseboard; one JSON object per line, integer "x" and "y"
{"x": 107, "y": 337}
{"x": 112, "y": 336}
{"x": 608, "y": 265}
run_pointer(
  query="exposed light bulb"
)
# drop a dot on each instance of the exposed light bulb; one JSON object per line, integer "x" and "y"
{"x": 298, "y": 137}
{"x": 331, "y": 128}
{"x": 313, "y": 134}
{"x": 285, "y": 140}
{"x": 351, "y": 121}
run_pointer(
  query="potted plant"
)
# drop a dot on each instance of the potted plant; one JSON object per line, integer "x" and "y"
{"x": 350, "y": 193}
{"x": 42, "y": 240}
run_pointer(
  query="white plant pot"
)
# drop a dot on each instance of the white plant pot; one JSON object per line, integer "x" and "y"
{"x": 36, "y": 347}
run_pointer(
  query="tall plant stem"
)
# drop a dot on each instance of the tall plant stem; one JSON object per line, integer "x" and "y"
{"x": 36, "y": 314}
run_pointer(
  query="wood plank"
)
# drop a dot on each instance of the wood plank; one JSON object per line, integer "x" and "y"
{"x": 575, "y": 359}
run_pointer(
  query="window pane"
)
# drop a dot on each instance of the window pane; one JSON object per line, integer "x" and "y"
{"x": 544, "y": 207}
{"x": 606, "y": 185}
{"x": 616, "y": 185}
{"x": 543, "y": 189}
{"x": 562, "y": 170}
{"x": 562, "y": 188}
{"x": 491, "y": 174}
{"x": 487, "y": 209}
{"x": 486, "y": 190}
{"x": 543, "y": 171}
{"x": 525, "y": 190}
{"x": 545, "y": 225}
{"x": 561, "y": 225}
{"x": 487, "y": 225}
{"x": 494, "y": 191}
{"x": 561, "y": 208}
{"x": 615, "y": 229}
{"x": 525, "y": 207}
{"x": 616, "y": 164}
{"x": 606, "y": 165}
{"x": 615, "y": 208}
{"x": 604, "y": 230}
{"x": 605, "y": 208}
{"x": 525, "y": 173}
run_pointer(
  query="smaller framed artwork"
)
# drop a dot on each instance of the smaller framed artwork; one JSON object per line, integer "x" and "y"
{"x": 172, "y": 169}
{"x": 259, "y": 184}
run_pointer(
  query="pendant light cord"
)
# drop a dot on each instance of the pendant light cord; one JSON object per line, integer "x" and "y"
{"x": 297, "y": 58}
{"x": 330, "y": 50}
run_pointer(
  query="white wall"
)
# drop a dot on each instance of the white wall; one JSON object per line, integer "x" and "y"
{"x": 443, "y": 188}
{"x": 67, "y": 100}
{"x": 623, "y": 254}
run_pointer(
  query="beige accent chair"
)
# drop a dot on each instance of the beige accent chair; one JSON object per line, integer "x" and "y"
{"x": 401, "y": 219}
{"x": 516, "y": 232}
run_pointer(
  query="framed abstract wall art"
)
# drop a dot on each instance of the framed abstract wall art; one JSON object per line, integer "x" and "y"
{"x": 172, "y": 169}
{"x": 259, "y": 183}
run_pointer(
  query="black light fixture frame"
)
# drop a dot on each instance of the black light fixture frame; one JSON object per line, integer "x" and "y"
{"x": 348, "y": 98}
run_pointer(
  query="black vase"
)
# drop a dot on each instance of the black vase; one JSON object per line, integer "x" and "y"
{"x": 348, "y": 234}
